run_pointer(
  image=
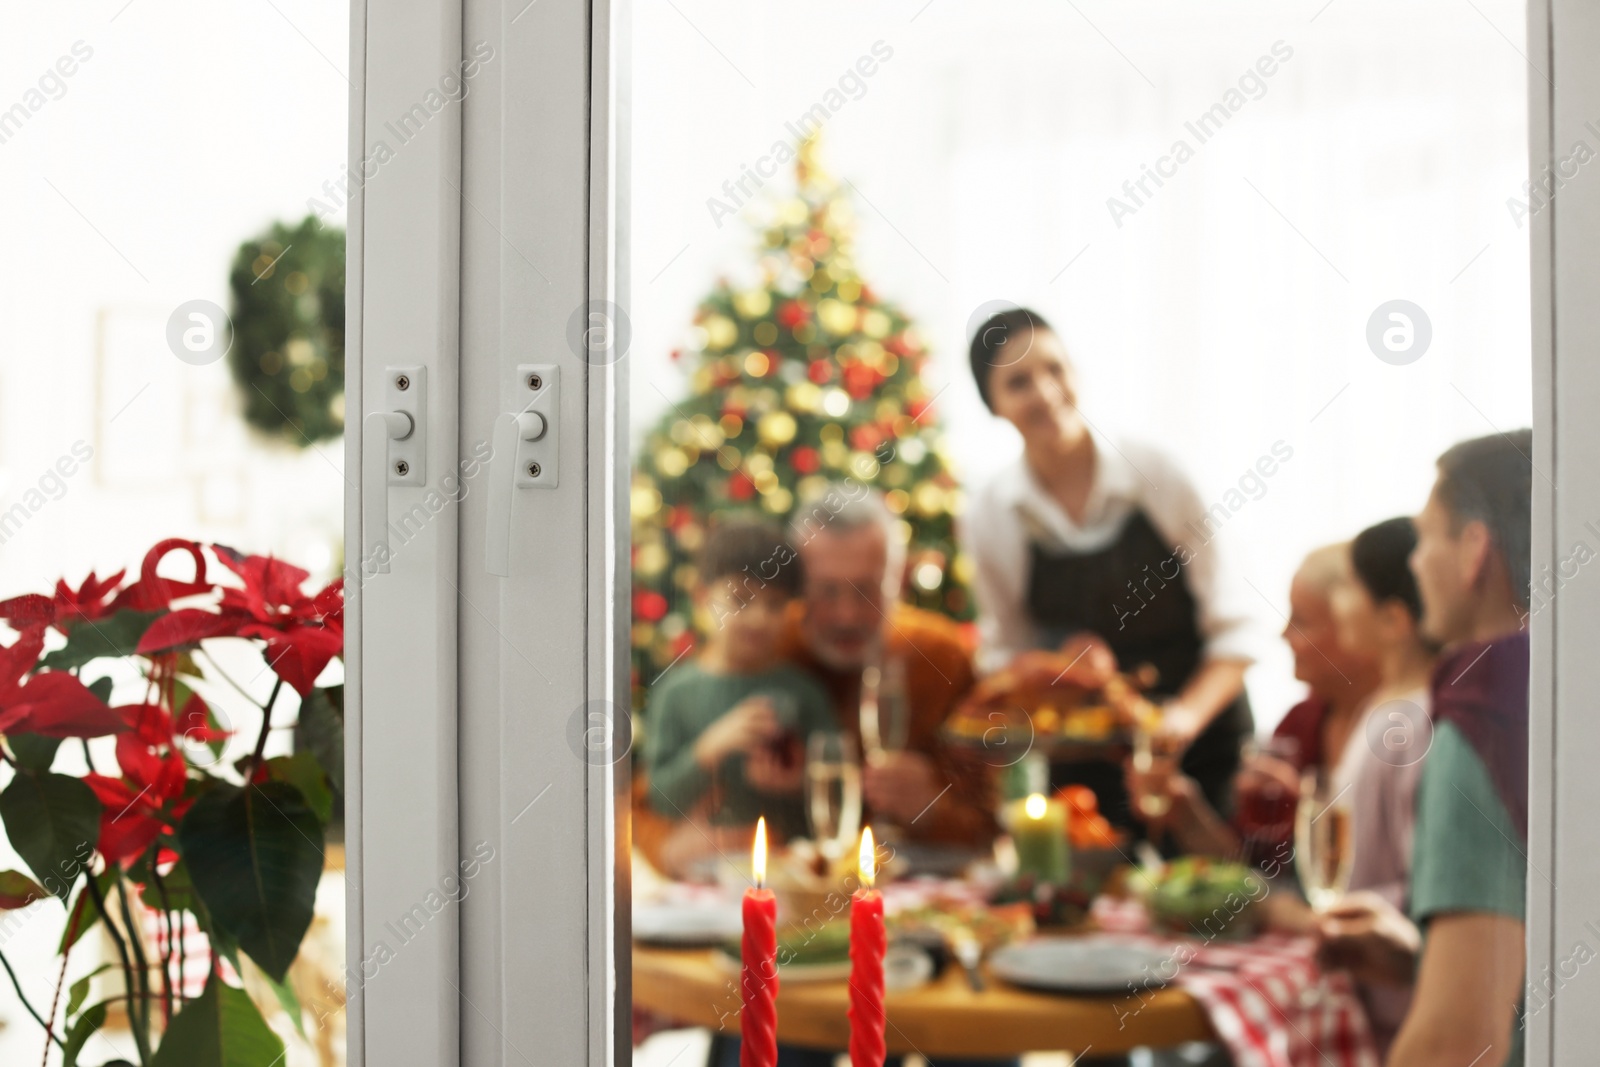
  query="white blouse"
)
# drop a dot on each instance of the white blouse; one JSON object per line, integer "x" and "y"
{"x": 1013, "y": 509}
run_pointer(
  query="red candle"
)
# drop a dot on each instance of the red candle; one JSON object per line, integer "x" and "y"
{"x": 758, "y": 1017}
{"x": 868, "y": 943}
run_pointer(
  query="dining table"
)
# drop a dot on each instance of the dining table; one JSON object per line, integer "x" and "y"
{"x": 944, "y": 1017}
{"x": 1261, "y": 994}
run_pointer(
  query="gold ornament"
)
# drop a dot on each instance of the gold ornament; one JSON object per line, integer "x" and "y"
{"x": 776, "y": 428}
{"x": 720, "y": 332}
{"x": 752, "y": 303}
{"x": 837, "y": 317}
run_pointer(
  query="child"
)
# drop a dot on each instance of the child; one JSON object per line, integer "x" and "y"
{"x": 728, "y": 728}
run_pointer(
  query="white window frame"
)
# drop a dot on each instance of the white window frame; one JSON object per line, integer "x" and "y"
{"x": 445, "y": 733}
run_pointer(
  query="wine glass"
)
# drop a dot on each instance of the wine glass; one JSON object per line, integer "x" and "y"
{"x": 833, "y": 792}
{"x": 1322, "y": 850}
{"x": 1322, "y": 840}
{"x": 885, "y": 714}
{"x": 1151, "y": 771}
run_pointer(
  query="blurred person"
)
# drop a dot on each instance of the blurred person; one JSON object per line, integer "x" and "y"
{"x": 1313, "y": 734}
{"x": 1378, "y": 612}
{"x": 851, "y": 617}
{"x": 1461, "y": 939}
{"x": 727, "y": 728}
{"x": 1080, "y": 534}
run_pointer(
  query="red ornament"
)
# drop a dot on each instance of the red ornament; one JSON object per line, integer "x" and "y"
{"x": 805, "y": 460}
{"x": 917, "y": 408}
{"x": 740, "y": 487}
{"x": 649, "y": 605}
{"x": 820, "y": 371}
{"x": 865, "y": 438}
{"x": 860, "y": 380}
{"x": 793, "y": 314}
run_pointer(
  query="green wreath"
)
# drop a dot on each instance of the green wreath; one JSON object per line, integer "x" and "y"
{"x": 287, "y": 354}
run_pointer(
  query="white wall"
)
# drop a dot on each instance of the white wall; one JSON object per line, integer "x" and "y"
{"x": 1227, "y": 313}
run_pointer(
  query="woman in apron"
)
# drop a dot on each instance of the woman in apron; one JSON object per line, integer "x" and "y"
{"x": 1080, "y": 534}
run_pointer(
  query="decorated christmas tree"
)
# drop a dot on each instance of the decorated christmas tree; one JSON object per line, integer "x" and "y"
{"x": 803, "y": 378}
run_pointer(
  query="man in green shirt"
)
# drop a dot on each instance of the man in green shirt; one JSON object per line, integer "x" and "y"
{"x": 1462, "y": 943}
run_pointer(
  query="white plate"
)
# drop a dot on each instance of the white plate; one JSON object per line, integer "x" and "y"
{"x": 1091, "y": 964}
{"x": 685, "y": 924}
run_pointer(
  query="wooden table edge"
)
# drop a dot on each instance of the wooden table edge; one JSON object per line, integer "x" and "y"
{"x": 943, "y": 1018}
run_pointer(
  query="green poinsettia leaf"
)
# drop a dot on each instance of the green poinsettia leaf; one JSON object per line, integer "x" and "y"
{"x": 220, "y": 1028}
{"x": 320, "y": 731}
{"x": 289, "y": 1001}
{"x": 80, "y": 1032}
{"x": 84, "y": 913}
{"x": 305, "y": 773}
{"x": 53, "y": 821}
{"x": 80, "y": 989}
{"x": 255, "y": 856}
{"x": 173, "y": 892}
{"x": 117, "y": 636}
{"x": 33, "y": 751}
{"x": 17, "y": 890}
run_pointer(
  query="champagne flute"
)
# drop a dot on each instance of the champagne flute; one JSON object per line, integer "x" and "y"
{"x": 833, "y": 792}
{"x": 894, "y": 707}
{"x": 885, "y": 713}
{"x": 1322, "y": 851}
{"x": 1322, "y": 841}
{"x": 1151, "y": 770}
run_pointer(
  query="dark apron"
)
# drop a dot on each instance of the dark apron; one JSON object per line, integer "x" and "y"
{"x": 1133, "y": 594}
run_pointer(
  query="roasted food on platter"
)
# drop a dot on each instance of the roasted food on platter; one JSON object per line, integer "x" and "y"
{"x": 1072, "y": 694}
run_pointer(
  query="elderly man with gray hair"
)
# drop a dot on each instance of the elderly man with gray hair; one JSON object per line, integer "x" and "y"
{"x": 850, "y": 621}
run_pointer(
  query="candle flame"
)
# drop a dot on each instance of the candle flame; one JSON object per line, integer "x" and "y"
{"x": 869, "y": 857}
{"x": 758, "y": 854}
{"x": 1034, "y": 806}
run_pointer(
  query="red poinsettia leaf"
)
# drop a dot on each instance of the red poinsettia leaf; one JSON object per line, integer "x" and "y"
{"x": 149, "y": 722}
{"x": 17, "y": 659}
{"x": 328, "y": 605}
{"x": 153, "y": 592}
{"x": 90, "y": 601}
{"x": 113, "y": 793}
{"x": 127, "y": 825}
{"x": 299, "y": 655}
{"x": 194, "y": 722}
{"x": 17, "y": 890}
{"x": 189, "y": 626}
{"x": 140, "y": 766}
{"x": 277, "y": 581}
{"x": 30, "y": 609}
{"x": 56, "y": 704}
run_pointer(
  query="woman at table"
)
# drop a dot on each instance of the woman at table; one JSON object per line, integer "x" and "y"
{"x": 1080, "y": 534}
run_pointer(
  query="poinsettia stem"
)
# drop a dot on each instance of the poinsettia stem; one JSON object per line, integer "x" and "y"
{"x": 93, "y": 889}
{"x": 166, "y": 950}
{"x": 24, "y": 998}
{"x": 141, "y": 1028}
{"x": 55, "y": 1003}
{"x": 266, "y": 727}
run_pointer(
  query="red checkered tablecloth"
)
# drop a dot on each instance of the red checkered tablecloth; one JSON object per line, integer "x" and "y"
{"x": 1267, "y": 999}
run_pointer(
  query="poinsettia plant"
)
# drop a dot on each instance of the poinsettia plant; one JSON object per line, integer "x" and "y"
{"x": 162, "y": 823}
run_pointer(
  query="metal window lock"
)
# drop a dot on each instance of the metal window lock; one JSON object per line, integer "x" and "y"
{"x": 526, "y": 454}
{"x": 394, "y": 451}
